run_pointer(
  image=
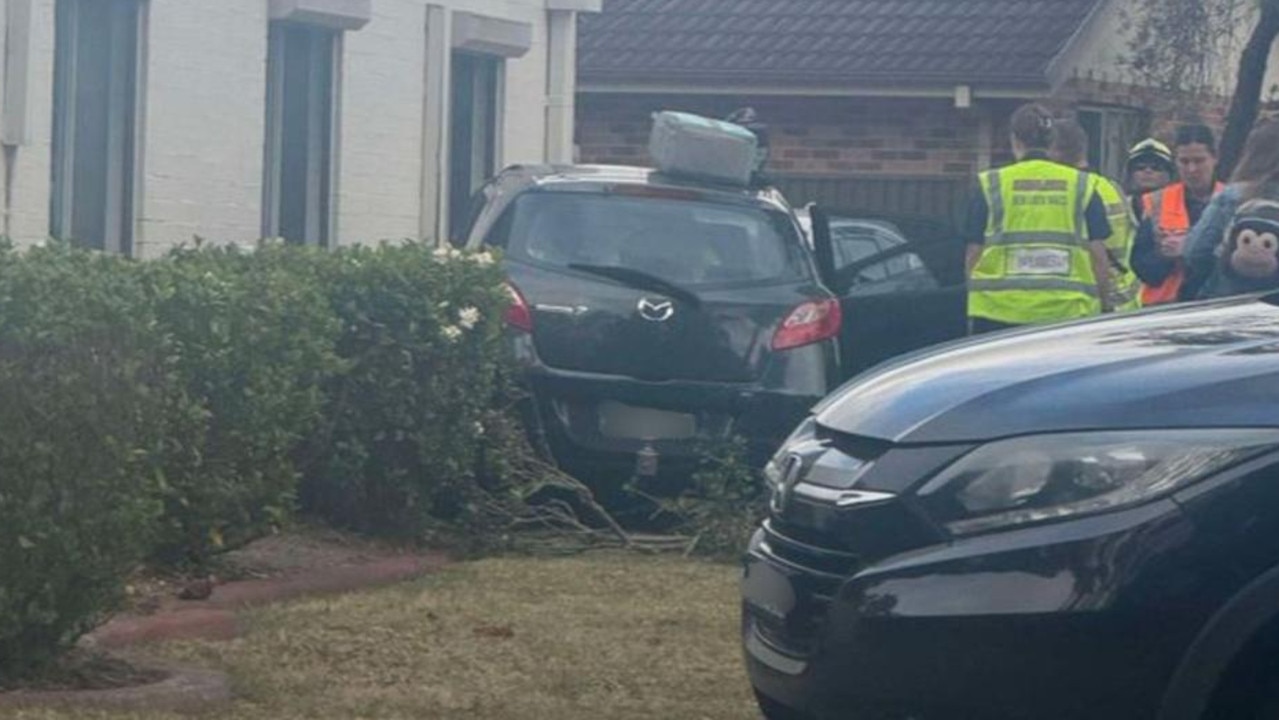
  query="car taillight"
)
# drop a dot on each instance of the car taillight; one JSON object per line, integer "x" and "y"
{"x": 811, "y": 322}
{"x": 518, "y": 314}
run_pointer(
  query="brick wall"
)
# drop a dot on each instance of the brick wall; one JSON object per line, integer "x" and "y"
{"x": 878, "y": 136}
{"x": 382, "y": 119}
{"x": 383, "y": 114}
{"x": 205, "y": 90}
{"x": 205, "y": 100}
{"x": 811, "y": 137}
{"x": 27, "y": 218}
{"x": 1166, "y": 110}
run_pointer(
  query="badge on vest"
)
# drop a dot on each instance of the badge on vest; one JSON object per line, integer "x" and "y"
{"x": 1038, "y": 261}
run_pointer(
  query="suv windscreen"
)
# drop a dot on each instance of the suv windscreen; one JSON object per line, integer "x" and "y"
{"x": 685, "y": 242}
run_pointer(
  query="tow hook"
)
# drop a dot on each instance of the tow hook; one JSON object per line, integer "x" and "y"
{"x": 647, "y": 461}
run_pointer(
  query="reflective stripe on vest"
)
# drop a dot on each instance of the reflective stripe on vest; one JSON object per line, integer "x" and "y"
{"x": 1036, "y": 264}
{"x": 1125, "y": 286}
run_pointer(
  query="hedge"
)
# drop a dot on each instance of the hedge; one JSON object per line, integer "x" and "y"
{"x": 180, "y": 406}
{"x": 252, "y": 339}
{"x": 421, "y": 339}
{"x": 84, "y": 390}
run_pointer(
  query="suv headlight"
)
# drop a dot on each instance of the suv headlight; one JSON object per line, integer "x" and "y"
{"x": 1032, "y": 479}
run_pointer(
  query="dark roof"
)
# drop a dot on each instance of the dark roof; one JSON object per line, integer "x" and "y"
{"x": 828, "y": 42}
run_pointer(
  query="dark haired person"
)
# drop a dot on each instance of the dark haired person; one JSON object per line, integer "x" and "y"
{"x": 1256, "y": 178}
{"x": 1170, "y": 214}
{"x": 1036, "y": 236}
{"x": 1070, "y": 148}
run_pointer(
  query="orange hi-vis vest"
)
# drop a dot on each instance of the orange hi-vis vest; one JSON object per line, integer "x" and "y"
{"x": 1166, "y": 209}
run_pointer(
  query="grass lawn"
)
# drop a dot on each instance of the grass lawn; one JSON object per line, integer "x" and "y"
{"x": 606, "y": 635}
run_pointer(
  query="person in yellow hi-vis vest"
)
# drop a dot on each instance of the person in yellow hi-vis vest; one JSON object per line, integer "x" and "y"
{"x": 1036, "y": 237}
{"x": 1070, "y": 147}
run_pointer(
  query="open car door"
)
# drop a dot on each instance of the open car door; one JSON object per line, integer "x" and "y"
{"x": 900, "y": 283}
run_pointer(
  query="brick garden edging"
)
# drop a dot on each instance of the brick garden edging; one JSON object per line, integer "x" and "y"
{"x": 183, "y": 691}
{"x": 188, "y": 690}
{"x": 215, "y": 618}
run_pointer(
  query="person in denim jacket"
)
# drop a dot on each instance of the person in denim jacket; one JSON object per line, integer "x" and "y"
{"x": 1256, "y": 177}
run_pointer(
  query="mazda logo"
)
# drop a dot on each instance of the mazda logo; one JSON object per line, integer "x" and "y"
{"x": 792, "y": 469}
{"x": 656, "y": 310}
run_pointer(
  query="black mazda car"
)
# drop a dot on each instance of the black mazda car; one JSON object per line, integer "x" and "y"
{"x": 1073, "y": 522}
{"x": 652, "y": 313}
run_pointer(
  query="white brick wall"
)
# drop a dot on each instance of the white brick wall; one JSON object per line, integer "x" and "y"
{"x": 205, "y": 99}
{"x": 29, "y": 219}
{"x": 524, "y": 137}
{"x": 205, "y": 113}
{"x": 383, "y": 114}
{"x": 381, "y": 154}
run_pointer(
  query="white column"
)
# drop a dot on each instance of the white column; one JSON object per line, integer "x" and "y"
{"x": 561, "y": 81}
{"x": 433, "y": 224}
{"x": 15, "y": 31}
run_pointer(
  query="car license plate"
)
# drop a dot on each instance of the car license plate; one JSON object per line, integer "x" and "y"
{"x": 768, "y": 591}
{"x": 627, "y": 422}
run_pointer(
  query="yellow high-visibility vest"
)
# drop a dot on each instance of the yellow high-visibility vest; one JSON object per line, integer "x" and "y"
{"x": 1125, "y": 286}
{"x": 1035, "y": 265}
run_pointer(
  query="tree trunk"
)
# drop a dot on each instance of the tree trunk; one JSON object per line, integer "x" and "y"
{"x": 1248, "y": 87}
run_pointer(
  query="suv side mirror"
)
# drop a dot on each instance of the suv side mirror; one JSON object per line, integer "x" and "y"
{"x": 823, "y": 248}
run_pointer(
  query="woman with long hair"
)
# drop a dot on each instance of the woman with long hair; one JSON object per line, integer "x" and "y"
{"x": 1257, "y": 176}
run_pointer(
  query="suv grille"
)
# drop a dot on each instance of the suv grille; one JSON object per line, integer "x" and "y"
{"x": 808, "y": 551}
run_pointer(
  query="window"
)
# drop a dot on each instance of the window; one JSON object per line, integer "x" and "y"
{"x": 302, "y": 95}
{"x": 1111, "y": 132}
{"x": 685, "y": 242}
{"x": 473, "y": 151}
{"x": 98, "y": 45}
{"x": 858, "y": 242}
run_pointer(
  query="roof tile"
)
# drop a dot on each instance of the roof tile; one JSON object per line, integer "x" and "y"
{"x": 828, "y": 41}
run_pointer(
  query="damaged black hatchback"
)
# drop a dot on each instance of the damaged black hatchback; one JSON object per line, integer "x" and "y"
{"x": 651, "y": 313}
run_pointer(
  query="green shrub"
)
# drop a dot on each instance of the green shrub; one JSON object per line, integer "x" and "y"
{"x": 725, "y": 502}
{"x": 253, "y": 339}
{"x": 422, "y": 337}
{"x": 83, "y": 384}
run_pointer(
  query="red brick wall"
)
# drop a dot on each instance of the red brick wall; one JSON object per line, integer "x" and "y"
{"x": 870, "y": 136}
{"x": 811, "y": 137}
{"x": 1166, "y": 110}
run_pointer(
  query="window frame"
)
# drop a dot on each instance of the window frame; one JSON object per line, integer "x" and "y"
{"x": 1111, "y": 131}
{"x": 487, "y": 83}
{"x": 323, "y": 148}
{"x": 124, "y": 114}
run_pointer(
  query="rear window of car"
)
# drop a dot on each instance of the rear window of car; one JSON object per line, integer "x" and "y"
{"x": 687, "y": 242}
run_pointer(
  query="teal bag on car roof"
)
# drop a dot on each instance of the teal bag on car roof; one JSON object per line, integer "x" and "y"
{"x": 683, "y": 144}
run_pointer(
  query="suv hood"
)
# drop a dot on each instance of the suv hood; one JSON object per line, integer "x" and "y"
{"x": 1206, "y": 365}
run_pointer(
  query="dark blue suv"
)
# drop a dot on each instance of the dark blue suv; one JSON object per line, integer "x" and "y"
{"x": 1075, "y": 522}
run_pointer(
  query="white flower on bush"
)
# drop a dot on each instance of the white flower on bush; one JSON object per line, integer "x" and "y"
{"x": 445, "y": 253}
{"x": 483, "y": 259}
{"x": 451, "y": 332}
{"x": 479, "y": 429}
{"x": 468, "y": 317}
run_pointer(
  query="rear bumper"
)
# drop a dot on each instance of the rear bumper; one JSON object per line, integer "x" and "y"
{"x": 763, "y": 413}
{"x": 568, "y": 406}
